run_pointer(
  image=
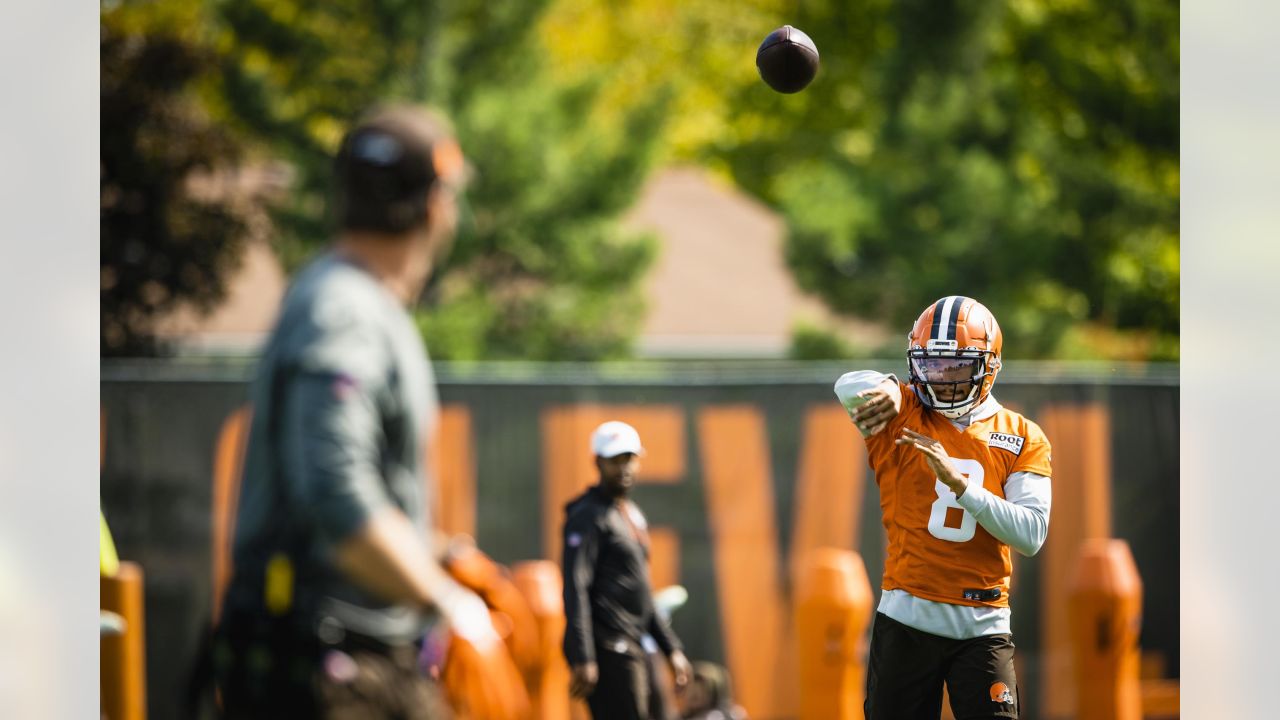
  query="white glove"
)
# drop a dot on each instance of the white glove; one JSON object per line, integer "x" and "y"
{"x": 468, "y": 617}
{"x": 852, "y": 383}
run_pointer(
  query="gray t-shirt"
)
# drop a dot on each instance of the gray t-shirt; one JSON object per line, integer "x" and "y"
{"x": 343, "y": 404}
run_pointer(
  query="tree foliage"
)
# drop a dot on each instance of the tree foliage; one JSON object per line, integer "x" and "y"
{"x": 1025, "y": 153}
{"x": 542, "y": 270}
{"x": 1022, "y": 153}
{"x": 162, "y": 245}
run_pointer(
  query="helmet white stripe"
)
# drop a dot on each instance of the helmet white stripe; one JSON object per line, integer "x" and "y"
{"x": 944, "y": 327}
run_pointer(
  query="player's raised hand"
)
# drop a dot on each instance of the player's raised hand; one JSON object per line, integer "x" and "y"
{"x": 937, "y": 457}
{"x": 880, "y": 407}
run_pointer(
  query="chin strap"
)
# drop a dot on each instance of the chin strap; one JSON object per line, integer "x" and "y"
{"x": 953, "y": 412}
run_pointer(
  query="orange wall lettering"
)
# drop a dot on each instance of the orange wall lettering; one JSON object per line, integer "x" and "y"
{"x": 453, "y": 467}
{"x": 664, "y": 557}
{"x": 731, "y": 444}
{"x": 228, "y": 464}
{"x": 568, "y": 467}
{"x": 758, "y": 645}
{"x": 829, "y": 484}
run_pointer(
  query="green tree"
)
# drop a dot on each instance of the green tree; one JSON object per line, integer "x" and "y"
{"x": 1023, "y": 153}
{"x": 163, "y": 244}
{"x": 809, "y": 342}
{"x": 543, "y": 270}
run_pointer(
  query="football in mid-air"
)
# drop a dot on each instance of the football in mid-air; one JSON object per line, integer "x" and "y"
{"x": 787, "y": 60}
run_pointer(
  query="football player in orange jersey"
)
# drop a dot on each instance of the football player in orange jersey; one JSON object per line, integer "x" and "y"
{"x": 962, "y": 480}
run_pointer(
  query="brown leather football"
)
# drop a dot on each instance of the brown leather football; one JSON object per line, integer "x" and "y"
{"x": 787, "y": 60}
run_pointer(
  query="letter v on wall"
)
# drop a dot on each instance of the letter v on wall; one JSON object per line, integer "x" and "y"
{"x": 568, "y": 468}
{"x": 829, "y": 484}
{"x": 758, "y": 645}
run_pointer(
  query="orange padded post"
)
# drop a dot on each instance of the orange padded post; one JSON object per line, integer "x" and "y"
{"x": 832, "y": 610}
{"x": 540, "y": 583}
{"x": 1105, "y": 616}
{"x": 123, "y": 672}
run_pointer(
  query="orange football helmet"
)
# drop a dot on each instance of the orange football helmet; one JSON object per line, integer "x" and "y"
{"x": 953, "y": 353}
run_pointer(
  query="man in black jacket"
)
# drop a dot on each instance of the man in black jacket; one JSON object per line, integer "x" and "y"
{"x": 608, "y": 600}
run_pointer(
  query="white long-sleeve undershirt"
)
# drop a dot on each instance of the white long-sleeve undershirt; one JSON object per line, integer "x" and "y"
{"x": 1020, "y": 519}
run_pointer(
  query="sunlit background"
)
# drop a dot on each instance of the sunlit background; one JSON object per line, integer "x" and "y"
{"x": 653, "y": 234}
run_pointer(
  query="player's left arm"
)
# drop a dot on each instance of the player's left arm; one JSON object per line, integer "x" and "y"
{"x": 1020, "y": 519}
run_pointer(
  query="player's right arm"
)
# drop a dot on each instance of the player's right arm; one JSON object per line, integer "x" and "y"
{"x": 329, "y": 438}
{"x": 871, "y": 398}
{"x": 330, "y": 444}
{"x": 387, "y": 557}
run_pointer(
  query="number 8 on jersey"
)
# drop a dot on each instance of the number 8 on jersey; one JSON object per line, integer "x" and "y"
{"x": 973, "y": 470}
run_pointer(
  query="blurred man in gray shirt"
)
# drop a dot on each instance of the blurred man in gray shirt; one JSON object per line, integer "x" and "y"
{"x": 334, "y": 579}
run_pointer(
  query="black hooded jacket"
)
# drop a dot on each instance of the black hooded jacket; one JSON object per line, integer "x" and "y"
{"x": 607, "y": 595}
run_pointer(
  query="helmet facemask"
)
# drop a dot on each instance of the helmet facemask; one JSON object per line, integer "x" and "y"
{"x": 952, "y": 382}
{"x": 953, "y": 352}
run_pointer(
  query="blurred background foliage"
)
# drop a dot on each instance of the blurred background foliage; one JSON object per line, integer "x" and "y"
{"x": 1023, "y": 152}
{"x": 166, "y": 239}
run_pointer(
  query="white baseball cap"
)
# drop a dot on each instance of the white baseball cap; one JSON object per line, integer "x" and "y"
{"x": 615, "y": 438}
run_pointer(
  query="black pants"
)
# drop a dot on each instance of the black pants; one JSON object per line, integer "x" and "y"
{"x": 265, "y": 670}
{"x": 908, "y": 667}
{"x": 661, "y": 704}
{"x": 360, "y": 685}
{"x": 622, "y": 690}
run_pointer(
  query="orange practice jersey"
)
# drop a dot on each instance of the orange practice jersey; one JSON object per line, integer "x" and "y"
{"x": 937, "y": 551}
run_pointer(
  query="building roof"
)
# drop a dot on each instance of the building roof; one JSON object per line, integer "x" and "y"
{"x": 720, "y": 287}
